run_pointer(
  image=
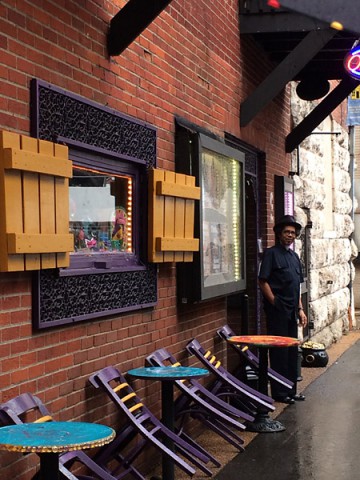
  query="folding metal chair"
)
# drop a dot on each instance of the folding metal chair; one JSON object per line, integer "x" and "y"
{"x": 227, "y": 385}
{"x": 27, "y": 408}
{"x": 199, "y": 403}
{"x": 250, "y": 358}
{"x": 142, "y": 421}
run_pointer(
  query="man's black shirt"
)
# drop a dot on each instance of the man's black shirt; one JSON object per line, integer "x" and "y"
{"x": 281, "y": 268}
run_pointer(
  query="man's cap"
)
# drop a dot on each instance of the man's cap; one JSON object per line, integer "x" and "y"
{"x": 287, "y": 220}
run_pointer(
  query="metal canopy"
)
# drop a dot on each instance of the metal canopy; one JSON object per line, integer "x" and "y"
{"x": 320, "y": 112}
{"x": 131, "y": 21}
{"x": 345, "y": 12}
{"x": 301, "y": 48}
{"x": 286, "y": 71}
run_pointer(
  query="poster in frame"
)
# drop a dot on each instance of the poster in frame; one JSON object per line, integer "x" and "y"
{"x": 219, "y": 267}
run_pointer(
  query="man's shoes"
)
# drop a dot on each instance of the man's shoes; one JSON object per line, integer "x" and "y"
{"x": 288, "y": 400}
{"x": 299, "y": 397}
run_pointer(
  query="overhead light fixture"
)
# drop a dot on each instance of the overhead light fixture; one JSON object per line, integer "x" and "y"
{"x": 312, "y": 89}
{"x": 337, "y": 25}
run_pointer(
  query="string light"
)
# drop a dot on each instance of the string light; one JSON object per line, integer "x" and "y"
{"x": 129, "y": 216}
{"x": 235, "y": 217}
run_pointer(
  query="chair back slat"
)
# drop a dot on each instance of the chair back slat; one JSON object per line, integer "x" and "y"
{"x": 136, "y": 407}
{"x": 120, "y": 387}
{"x": 46, "y": 418}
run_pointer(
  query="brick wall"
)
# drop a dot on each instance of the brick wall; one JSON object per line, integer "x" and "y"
{"x": 189, "y": 62}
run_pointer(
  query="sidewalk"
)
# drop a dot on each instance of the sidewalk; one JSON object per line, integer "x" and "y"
{"x": 321, "y": 440}
{"x": 323, "y": 428}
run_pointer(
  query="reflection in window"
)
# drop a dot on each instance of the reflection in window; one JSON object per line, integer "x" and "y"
{"x": 100, "y": 211}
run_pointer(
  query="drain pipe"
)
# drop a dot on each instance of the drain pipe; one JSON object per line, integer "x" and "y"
{"x": 351, "y": 312}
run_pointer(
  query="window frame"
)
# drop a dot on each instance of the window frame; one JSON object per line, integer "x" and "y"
{"x": 190, "y": 143}
{"x": 226, "y": 287}
{"x": 103, "y": 262}
{"x": 61, "y": 116}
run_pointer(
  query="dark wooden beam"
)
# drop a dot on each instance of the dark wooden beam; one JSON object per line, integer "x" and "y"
{"x": 284, "y": 73}
{"x": 131, "y": 21}
{"x": 320, "y": 112}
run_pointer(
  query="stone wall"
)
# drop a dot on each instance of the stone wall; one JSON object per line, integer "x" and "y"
{"x": 322, "y": 198}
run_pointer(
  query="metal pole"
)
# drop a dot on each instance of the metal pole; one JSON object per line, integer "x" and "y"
{"x": 245, "y": 315}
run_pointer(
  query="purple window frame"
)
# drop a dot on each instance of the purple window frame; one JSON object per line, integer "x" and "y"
{"x": 94, "y": 131}
{"x": 118, "y": 262}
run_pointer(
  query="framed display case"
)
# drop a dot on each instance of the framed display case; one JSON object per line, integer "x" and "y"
{"x": 284, "y": 196}
{"x": 219, "y": 266}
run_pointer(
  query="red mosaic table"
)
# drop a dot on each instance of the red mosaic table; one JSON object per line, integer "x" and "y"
{"x": 263, "y": 423}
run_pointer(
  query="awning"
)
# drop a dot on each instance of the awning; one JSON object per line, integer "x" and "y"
{"x": 344, "y": 12}
{"x": 301, "y": 48}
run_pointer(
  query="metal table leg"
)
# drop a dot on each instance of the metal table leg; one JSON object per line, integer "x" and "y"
{"x": 263, "y": 423}
{"x": 167, "y": 401}
{"x": 49, "y": 466}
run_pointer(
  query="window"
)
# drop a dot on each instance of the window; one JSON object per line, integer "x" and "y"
{"x": 106, "y": 142}
{"x": 103, "y": 217}
{"x": 100, "y": 212}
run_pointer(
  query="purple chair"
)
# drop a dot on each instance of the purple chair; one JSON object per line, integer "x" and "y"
{"x": 25, "y": 406}
{"x": 199, "y": 403}
{"x": 142, "y": 421}
{"x": 245, "y": 353}
{"x": 227, "y": 385}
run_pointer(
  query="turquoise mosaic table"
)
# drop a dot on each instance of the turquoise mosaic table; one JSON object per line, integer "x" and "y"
{"x": 168, "y": 375}
{"x": 48, "y": 439}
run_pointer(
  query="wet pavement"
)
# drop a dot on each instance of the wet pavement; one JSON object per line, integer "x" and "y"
{"x": 322, "y": 436}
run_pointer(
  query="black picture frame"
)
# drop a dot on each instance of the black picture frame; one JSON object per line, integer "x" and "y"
{"x": 218, "y": 268}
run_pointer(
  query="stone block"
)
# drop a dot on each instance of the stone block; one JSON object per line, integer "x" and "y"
{"x": 313, "y": 194}
{"x": 341, "y": 202}
{"x": 341, "y": 180}
{"x": 343, "y": 225}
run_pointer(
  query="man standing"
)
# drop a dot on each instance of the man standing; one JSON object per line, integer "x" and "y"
{"x": 280, "y": 277}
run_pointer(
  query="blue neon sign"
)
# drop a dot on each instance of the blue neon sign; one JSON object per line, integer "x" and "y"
{"x": 352, "y": 62}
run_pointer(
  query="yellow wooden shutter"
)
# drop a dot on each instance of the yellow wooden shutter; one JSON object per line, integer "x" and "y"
{"x": 171, "y": 216}
{"x": 34, "y": 204}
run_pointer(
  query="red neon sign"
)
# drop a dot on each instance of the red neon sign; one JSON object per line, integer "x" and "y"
{"x": 273, "y": 3}
{"x": 352, "y": 63}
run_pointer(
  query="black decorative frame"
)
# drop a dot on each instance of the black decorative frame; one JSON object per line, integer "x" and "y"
{"x": 59, "y": 116}
{"x": 190, "y": 143}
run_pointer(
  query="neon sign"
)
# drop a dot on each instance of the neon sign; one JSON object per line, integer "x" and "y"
{"x": 352, "y": 62}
